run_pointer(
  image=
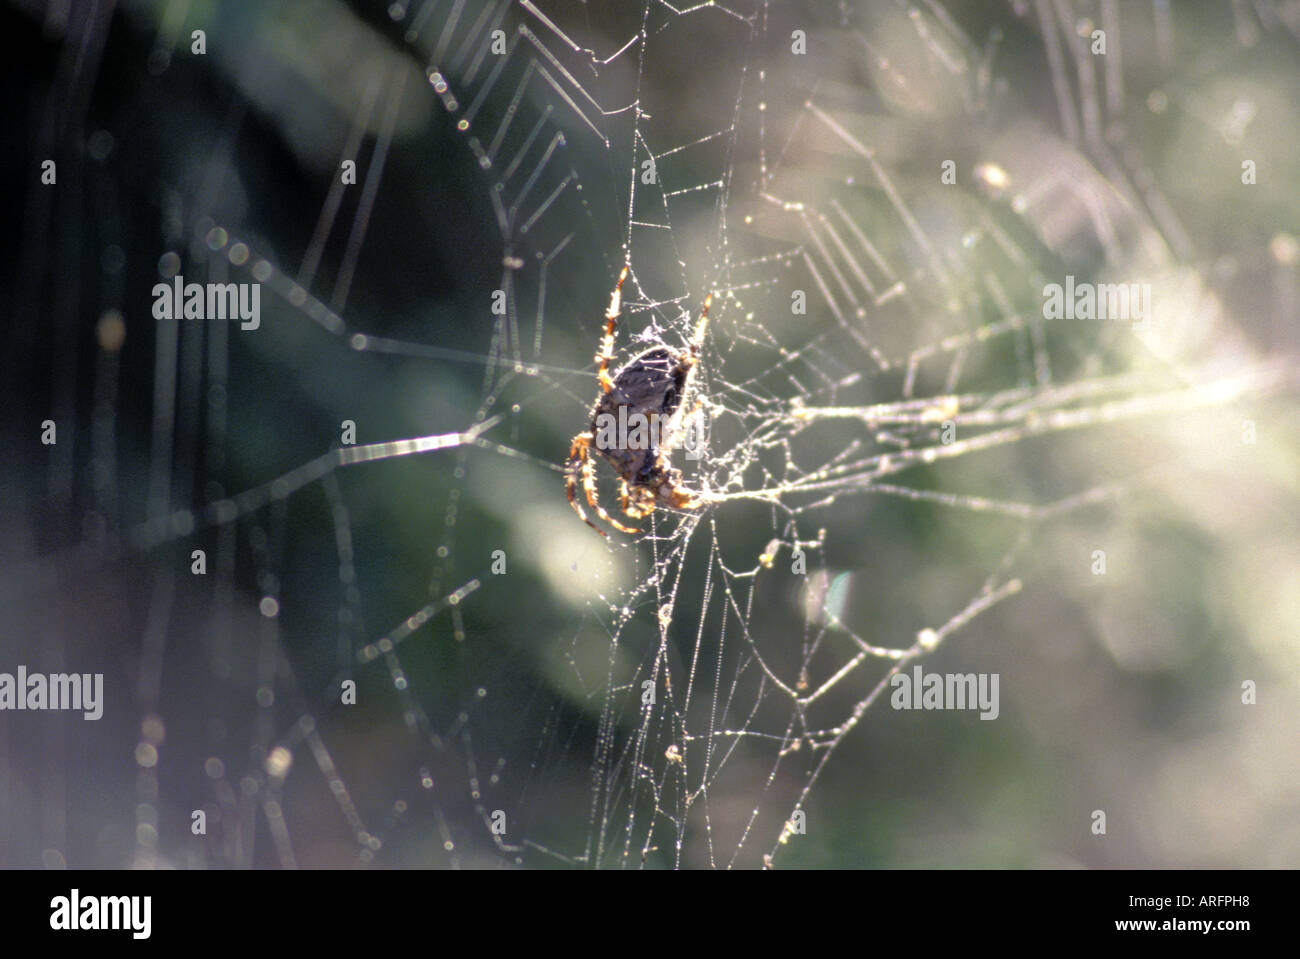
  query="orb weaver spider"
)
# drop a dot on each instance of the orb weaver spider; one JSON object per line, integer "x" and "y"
{"x": 647, "y": 392}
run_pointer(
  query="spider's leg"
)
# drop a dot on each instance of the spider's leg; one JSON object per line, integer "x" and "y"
{"x": 681, "y": 498}
{"x": 677, "y": 496}
{"x": 638, "y": 502}
{"x": 589, "y": 486}
{"x": 700, "y": 327}
{"x": 632, "y": 500}
{"x": 582, "y": 468}
{"x": 607, "y": 341}
{"x": 579, "y": 464}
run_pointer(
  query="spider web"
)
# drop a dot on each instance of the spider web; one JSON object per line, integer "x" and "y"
{"x": 904, "y": 463}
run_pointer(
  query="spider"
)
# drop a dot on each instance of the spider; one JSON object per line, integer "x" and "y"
{"x": 635, "y": 425}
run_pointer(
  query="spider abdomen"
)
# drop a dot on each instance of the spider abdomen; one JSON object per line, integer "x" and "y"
{"x": 634, "y": 422}
{"x": 652, "y": 382}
